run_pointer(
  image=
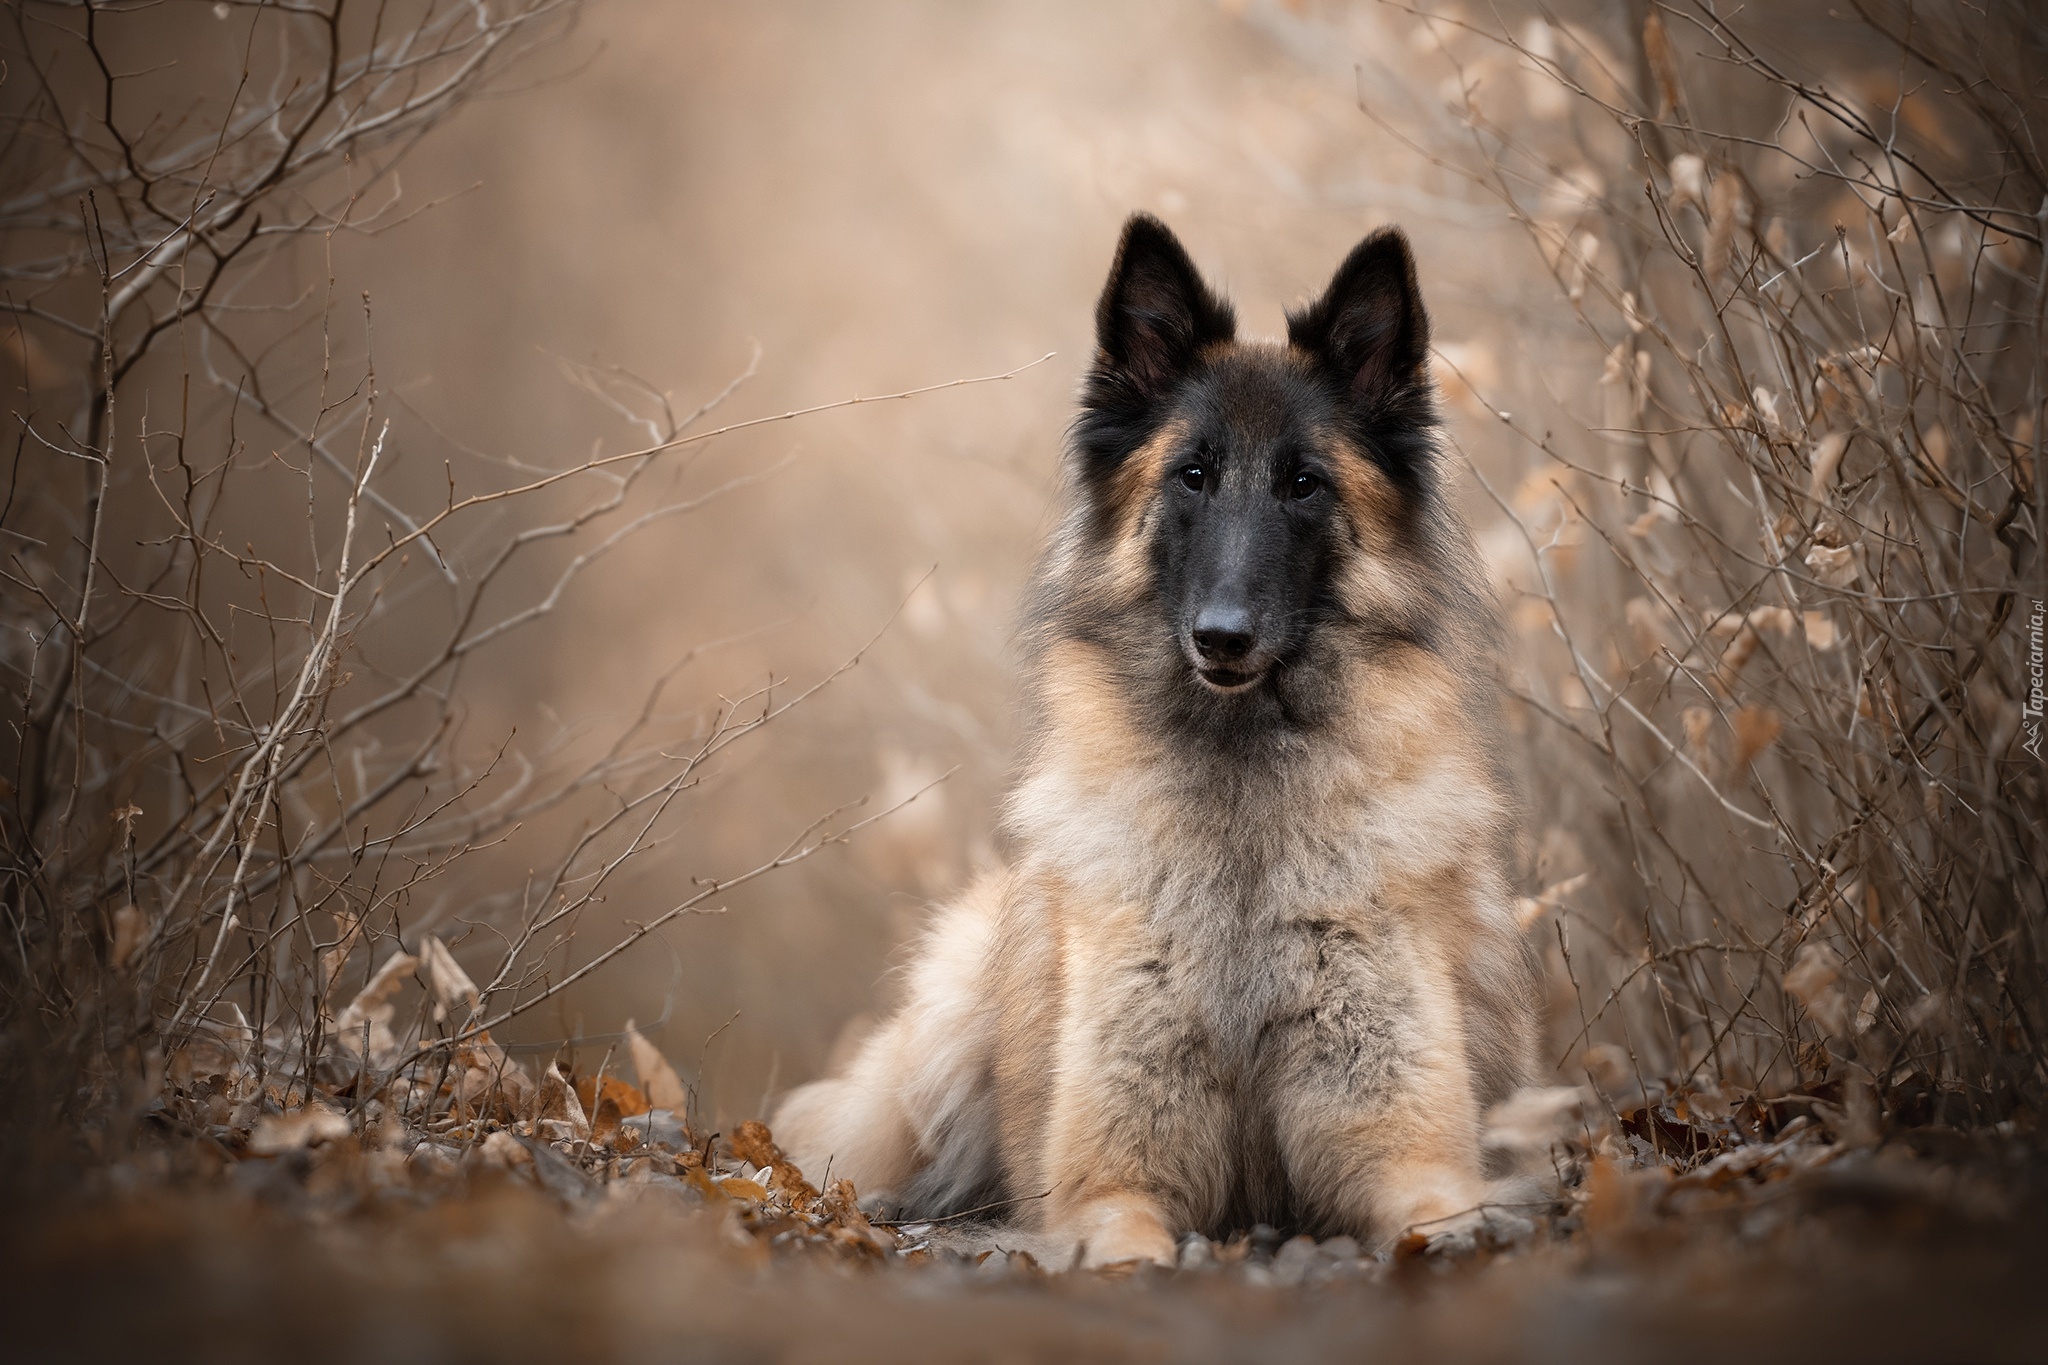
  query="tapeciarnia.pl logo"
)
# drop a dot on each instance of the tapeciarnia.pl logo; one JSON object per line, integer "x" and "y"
{"x": 2031, "y": 711}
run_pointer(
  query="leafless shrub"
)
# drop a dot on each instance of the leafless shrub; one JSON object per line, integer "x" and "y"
{"x": 1777, "y": 578}
{"x": 240, "y": 763}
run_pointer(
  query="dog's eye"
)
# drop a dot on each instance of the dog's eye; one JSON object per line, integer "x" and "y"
{"x": 1304, "y": 486}
{"x": 1193, "y": 476}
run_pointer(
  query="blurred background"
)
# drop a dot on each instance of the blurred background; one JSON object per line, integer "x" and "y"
{"x": 880, "y": 197}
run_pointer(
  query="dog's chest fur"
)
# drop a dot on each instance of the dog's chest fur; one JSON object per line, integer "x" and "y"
{"x": 1232, "y": 898}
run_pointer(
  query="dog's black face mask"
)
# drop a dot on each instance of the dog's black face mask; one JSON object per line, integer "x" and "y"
{"x": 1247, "y": 468}
{"x": 1247, "y": 524}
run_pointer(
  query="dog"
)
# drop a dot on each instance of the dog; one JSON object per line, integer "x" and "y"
{"x": 1254, "y": 956}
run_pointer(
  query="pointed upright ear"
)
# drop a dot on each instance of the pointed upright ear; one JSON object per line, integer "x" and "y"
{"x": 1369, "y": 330}
{"x": 1154, "y": 318}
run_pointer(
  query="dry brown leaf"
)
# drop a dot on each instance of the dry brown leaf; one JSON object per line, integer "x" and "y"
{"x": 1826, "y": 459}
{"x": 1766, "y": 403}
{"x": 1935, "y": 441}
{"x": 625, "y": 1100}
{"x": 130, "y": 928}
{"x": 755, "y": 1145}
{"x": 1813, "y": 981}
{"x": 1528, "y": 908}
{"x": 1731, "y": 212}
{"x": 1755, "y": 729}
{"x": 489, "y": 1083}
{"x": 373, "y": 1006}
{"x": 501, "y": 1151}
{"x": 453, "y": 989}
{"x": 1833, "y": 565}
{"x": 350, "y": 928}
{"x": 1839, "y": 388}
{"x": 1663, "y": 65}
{"x": 1609, "y": 1067}
{"x": 1779, "y": 619}
{"x": 1699, "y": 730}
{"x": 737, "y": 1187}
{"x": 1689, "y": 181}
{"x": 658, "y": 1079}
{"x": 1609, "y": 1201}
{"x": 557, "y": 1102}
{"x": 1736, "y": 656}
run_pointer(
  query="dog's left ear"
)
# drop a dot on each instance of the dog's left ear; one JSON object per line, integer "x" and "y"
{"x": 1369, "y": 329}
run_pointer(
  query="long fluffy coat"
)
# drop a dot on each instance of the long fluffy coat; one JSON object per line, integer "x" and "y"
{"x": 1254, "y": 957}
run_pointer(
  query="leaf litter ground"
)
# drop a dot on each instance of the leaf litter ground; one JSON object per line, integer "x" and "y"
{"x": 553, "y": 1216}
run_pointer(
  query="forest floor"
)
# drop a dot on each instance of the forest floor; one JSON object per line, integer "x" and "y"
{"x": 1682, "y": 1228}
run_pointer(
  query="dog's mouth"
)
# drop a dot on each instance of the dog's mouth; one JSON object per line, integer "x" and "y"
{"x": 1229, "y": 680}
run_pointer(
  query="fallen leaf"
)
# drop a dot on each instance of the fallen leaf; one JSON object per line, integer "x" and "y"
{"x": 491, "y": 1084}
{"x": 664, "y": 1089}
{"x": 755, "y": 1145}
{"x": 625, "y": 1099}
{"x": 658, "y": 1128}
{"x": 559, "y": 1103}
{"x": 557, "y": 1174}
{"x": 738, "y": 1187}
{"x": 504, "y": 1152}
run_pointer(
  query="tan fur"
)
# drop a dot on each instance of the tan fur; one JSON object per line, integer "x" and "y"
{"x": 1133, "y": 505}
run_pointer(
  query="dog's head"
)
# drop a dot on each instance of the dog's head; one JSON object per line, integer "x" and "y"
{"x": 1248, "y": 496}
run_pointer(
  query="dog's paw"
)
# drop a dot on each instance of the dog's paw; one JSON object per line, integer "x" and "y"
{"x": 1128, "y": 1243}
{"x": 1123, "y": 1230}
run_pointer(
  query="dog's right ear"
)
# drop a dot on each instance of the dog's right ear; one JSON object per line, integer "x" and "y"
{"x": 1155, "y": 315}
{"x": 1152, "y": 323}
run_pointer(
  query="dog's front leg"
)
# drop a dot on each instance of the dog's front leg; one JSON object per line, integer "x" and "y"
{"x": 1376, "y": 1115}
{"x": 1136, "y": 1144}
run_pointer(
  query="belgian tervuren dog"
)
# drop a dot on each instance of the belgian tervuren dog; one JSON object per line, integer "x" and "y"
{"x": 1254, "y": 957}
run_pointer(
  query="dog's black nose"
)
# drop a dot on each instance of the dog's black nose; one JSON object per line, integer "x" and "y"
{"x": 1223, "y": 634}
